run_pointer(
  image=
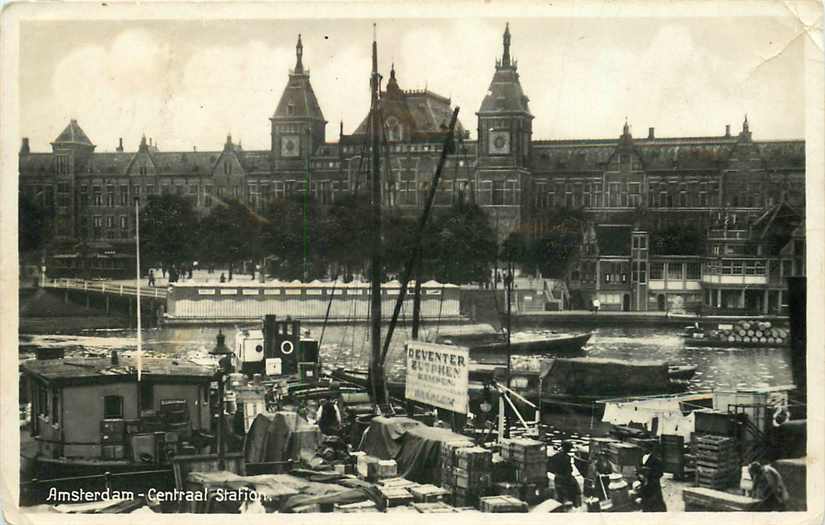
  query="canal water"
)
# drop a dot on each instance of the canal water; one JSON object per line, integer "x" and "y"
{"x": 348, "y": 346}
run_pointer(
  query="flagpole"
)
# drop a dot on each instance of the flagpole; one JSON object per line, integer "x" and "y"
{"x": 137, "y": 281}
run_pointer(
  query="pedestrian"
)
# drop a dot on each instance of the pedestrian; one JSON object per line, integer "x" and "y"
{"x": 768, "y": 487}
{"x": 328, "y": 418}
{"x": 223, "y": 278}
{"x": 596, "y": 305}
{"x": 152, "y": 278}
{"x": 650, "y": 490}
{"x": 561, "y": 466}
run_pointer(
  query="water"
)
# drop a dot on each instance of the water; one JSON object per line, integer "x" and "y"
{"x": 349, "y": 346}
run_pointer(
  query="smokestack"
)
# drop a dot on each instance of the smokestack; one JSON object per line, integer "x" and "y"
{"x": 24, "y": 146}
{"x": 650, "y": 134}
{"x": 727, "y": 130}
{"x": 120, "y": 145}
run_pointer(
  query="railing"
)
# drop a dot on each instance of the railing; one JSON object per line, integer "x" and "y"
{"x": 105, "y": 287}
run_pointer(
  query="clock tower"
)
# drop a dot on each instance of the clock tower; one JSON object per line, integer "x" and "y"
{"x": 505, "y": 127}
{"x": 298, "y": 125}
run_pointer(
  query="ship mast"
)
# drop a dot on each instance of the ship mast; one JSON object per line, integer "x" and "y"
{"x": 376, "y": 365}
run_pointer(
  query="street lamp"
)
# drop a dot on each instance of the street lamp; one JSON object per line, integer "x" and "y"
{"x": 225, "y": 368}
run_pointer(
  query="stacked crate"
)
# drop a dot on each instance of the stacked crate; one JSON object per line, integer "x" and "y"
{"x": 450, "y": 462}
{"x": 528, "y": 457}
{"x": 717, "y": 461}
{"x": 473, "y": 475}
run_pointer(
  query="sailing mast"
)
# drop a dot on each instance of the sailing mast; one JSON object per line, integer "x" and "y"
{"x": 376, "y": 365}
{"x": 137, "y": 287}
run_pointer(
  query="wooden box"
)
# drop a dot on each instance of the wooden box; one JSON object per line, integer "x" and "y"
{"x": 500, "y": 504}
{"x": 471, "y": 480}
{"x": 394, "y": 497}
{"x": 506, "y": 488}
{"x": 427, "y": 493}
{"x": 474, "y": 458}
{"x": 434, "y": 507}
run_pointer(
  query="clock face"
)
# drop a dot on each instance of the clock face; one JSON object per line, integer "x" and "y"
{"x": 290, "y": 146}
{"x": 499, "y": 142}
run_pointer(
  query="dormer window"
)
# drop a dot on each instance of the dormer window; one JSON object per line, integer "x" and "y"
{"x": 227, "y": 168}
{"x": 394, "y": 130}
{"x": 290, "y": 109}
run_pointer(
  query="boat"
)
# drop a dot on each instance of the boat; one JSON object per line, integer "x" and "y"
{"x": 737, "y": 334}
{"x": 681, "y": 372}
{"x": 483, "y": 345}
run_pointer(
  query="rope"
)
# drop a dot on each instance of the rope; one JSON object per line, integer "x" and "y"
{"x": 329, "y": 307}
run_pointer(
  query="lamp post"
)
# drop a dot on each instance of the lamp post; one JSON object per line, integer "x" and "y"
{"x": 224, "y": 355}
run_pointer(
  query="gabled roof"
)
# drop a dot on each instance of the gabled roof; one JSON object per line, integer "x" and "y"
{"x": 73, "y": 134}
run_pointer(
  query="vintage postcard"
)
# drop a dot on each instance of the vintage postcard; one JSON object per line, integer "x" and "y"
{"x": 373, "y": 259}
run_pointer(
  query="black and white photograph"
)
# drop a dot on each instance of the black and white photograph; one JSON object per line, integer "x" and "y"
{"x": 372, "y": 258}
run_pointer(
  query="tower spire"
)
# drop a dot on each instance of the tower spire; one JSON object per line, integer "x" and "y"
{"x": 299, "y": 51}
{"x": 505, "y": 58}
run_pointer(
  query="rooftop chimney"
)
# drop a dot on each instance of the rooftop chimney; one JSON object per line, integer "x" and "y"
{"x": 650, "y": 134}
{"x": 24, "y": 147}
{"x": 727, "y": 130}
{"x": 120, "y": 145}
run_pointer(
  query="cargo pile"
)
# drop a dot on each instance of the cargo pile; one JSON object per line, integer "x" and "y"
{"x": 751, "y": 332}
{"x": 527, "y": 460}
{"x": 717, "y": 461}
{"x": 472, "y": 475}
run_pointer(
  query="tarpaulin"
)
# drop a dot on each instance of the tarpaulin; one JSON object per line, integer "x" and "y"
{"x": 279, "y": 437}
{"x": 383, "y": 437}
{"x": 415, "y": 447}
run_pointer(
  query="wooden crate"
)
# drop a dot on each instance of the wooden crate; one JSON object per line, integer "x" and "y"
{"x": 427, "y": 493}
{"x": 522, "y": 450}
{"x": 471, "y": 479}
{"x": 434, "y": 508}
{"x": 501, "y": 504}
{"x": 394, "y": 497}
{"x": 474, "y": 458}
{"x": 531, "y": 472}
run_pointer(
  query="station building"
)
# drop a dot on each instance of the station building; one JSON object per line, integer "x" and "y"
{"x": 747, "y": 196}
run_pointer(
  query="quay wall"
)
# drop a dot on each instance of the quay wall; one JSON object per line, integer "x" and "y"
{"x": 215, "y": 301}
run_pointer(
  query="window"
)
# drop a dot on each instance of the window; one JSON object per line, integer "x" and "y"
{"x": 124, "y": 195}
{"x": 112, "y": 407}
{"x": 227, "y": 168}
{"x": 110, "y": 196}
{"x": 110, "y": 221}
{"x": 657, "y": 270}
{"x": 635, "y": 197}
{"x": 674, "y": 271}
{"x": 124, "y": 222}
{"x": 498, "y": 192}
{"x": 693, "y": 271}
{"x": 98, "y": 199}
{"x": 642, "y": 272}
{"x": 64, "y": 164}
{"x": 97, "y": 221}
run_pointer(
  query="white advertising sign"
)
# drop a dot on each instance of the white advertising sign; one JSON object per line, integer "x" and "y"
{"x": 273, "y": 366}
{"x": 438, "y": 375}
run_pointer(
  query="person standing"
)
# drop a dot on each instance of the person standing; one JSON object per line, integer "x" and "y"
{"x": 768, "y": 487}
{"x": 560, "y": 464}
{"x": 596, "y": 305}
{"x": 151, "y": 278}
{"x": 650, "y": 491}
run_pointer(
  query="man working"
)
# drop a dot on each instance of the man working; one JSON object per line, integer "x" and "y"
{"x": 768, "y": 487}
{"x": 561, "y": 465}
{"x": 328, "y": 418}
{"x": 650, "y": 491}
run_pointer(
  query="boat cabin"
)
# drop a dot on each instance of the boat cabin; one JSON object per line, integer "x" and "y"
{"x": 95, "y": 408}
{"x": 278, "y": 349}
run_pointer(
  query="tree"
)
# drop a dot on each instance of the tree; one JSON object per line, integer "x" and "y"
{"x": 227, "y": 234}
{"x": 290, "y": 240}
{"x": 463, "y": 245}
{"x": 34, "y": 223}
{"x": 556, "y": 237}
{"x": 167, "y": 230}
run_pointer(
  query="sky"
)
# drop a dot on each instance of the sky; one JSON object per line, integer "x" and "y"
{"x": 190, "y": 83}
